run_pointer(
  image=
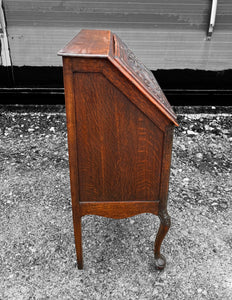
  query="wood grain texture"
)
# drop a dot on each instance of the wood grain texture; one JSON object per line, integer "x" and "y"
{"x": 163, "y": 34}
{"x": 165, "y": 223}
{"x": 122, "y": 80}
{"x": 165, "y": 220}
{"x": 104, "y": 44}
{"x": 166, "y": 165}
{"x": 119, "y": 150}
{"x": 70, "y": 106}
{"x": 118, "y": 147}
{"x": 119, "y": 210}
{"x": 126, "y": 58}
{"x": 88, "y": 44}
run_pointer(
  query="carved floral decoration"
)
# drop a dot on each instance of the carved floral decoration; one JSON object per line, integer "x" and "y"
{"x": 141, "y": 73}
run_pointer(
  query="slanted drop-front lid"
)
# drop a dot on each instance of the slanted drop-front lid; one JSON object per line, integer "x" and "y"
{"x": 141, "y": 73}
{"x": 105, "y": 44}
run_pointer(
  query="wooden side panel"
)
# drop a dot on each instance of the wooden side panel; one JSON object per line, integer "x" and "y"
{"x": 119, "y": 148}
{"x": 163, "y": 34}
{"x": 122, "y": 83}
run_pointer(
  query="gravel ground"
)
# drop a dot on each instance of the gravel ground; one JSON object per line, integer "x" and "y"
{"x": 37, "y": 254}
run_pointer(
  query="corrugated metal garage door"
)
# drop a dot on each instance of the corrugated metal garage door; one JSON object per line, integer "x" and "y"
{"x": 164, "y": 34}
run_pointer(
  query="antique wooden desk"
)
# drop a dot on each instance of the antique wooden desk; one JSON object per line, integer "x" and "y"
{"x": 120, "y": 128}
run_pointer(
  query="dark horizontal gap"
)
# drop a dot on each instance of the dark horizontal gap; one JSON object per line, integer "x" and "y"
{"x": 29, "y": 76}
{"x": 44, "y": 85}
{"x": 51, "y": 96}
{"x": 45, "y": 108}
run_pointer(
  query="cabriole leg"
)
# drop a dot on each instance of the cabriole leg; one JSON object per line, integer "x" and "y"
{"x": 165, "y": 222}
